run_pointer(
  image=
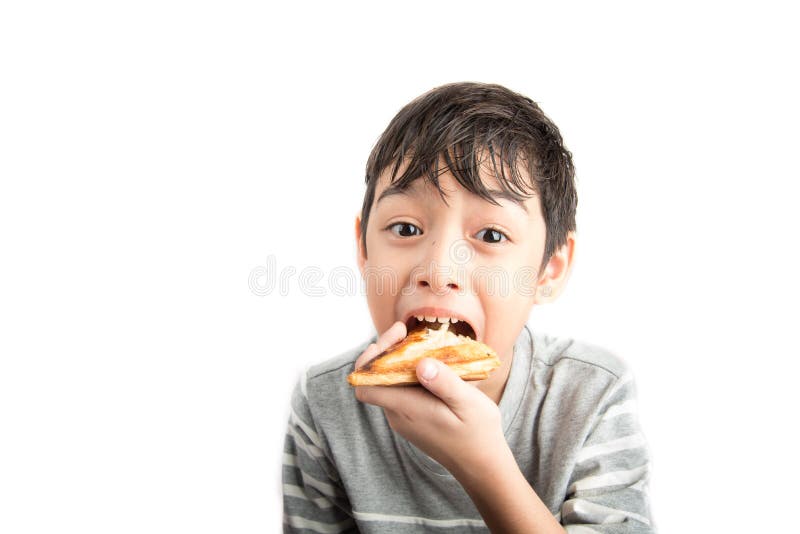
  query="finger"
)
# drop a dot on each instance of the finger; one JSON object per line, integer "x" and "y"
{"x": 440, "y": 380}
{"x": 395, "y": 333}
{"x": 369, "y": 353}
{"x": 391, "y": 398}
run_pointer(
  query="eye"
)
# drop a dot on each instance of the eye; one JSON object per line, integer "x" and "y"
{"x": 491, "y": 235}
{"x": 403, "y": 229}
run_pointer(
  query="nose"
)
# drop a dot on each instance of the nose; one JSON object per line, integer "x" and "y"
{"x": 439, "y": 270}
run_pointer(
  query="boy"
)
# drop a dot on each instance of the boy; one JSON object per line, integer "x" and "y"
{"x": 468, "y": 217}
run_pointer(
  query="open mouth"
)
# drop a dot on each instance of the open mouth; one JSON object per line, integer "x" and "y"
{"x": 457, "y": 326}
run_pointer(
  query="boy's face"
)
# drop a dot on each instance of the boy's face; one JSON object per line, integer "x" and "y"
{"x": 464, "y": 258}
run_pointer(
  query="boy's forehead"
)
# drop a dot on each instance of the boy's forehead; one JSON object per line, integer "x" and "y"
{"x": 422, "y": 188}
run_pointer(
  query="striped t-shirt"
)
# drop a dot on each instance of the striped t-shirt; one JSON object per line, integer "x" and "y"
{"x": 568, "y": 414}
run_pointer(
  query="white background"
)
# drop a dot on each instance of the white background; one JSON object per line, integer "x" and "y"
{"x": 153, "y": 154}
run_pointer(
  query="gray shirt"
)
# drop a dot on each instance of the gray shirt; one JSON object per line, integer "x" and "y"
{"x": 568, "y": 414}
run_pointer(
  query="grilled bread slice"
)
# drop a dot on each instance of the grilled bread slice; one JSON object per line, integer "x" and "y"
{"x": 470, "y": 359}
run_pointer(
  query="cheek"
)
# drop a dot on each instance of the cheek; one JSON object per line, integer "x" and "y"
{"x": 387, "y": 269}
{"x": 381, "y": 309}
{"x": 507, "y": 308}
{"x": 383, "y": 282}
{"x": 507, "y": 314}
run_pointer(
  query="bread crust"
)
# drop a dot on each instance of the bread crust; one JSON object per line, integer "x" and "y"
{"x": 469, "y": 359}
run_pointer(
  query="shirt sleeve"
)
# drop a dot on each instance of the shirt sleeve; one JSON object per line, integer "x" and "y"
{"x": 313, "y": 497}
{"x": 608, "y": 488}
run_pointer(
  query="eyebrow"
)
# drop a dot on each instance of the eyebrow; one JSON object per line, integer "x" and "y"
{"x": 389, "y": 191}
{"x": 494, "y": 193}
{"x": 505, "y": 195}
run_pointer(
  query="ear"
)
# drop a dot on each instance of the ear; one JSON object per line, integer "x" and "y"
{"x": 555, "y": 274}
{"x": 361, "y": 254}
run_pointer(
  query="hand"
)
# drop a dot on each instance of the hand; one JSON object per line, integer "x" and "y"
{"x": 451, "y": 421}
{"x": 460, "y": 427}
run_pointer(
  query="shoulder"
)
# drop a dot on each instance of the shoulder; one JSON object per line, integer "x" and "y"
{"x": 564, "y": 352}
{"x": 335, "y": 369}
{"x": 323, "y": 387}
{"x": 325, "y": 402}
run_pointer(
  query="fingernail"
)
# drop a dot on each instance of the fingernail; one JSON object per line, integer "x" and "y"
{"x": 429, "y": 370}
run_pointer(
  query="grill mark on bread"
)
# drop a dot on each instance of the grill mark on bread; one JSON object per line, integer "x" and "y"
{"x": 470, "y": 359}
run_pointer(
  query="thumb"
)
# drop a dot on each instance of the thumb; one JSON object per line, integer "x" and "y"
{"x": 440, "y": 380}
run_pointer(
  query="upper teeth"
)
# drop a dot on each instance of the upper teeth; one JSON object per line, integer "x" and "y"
{"x": 432, "y": 319}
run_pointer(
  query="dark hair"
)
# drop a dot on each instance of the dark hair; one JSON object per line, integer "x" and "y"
{"x": 462, "y": 124}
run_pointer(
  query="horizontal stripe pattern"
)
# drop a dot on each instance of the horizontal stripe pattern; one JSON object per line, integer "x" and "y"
{"x": 323, "y": 487}
{"x": 582, "y": 511}
{"x": 312, "y": 500}
{"x": 295, "y": 521}
{"x": 624, "y": 408}
{"x": 609, "y": 480}
{"x": 580, "y": 529}
{"x": 290, "y": 490}
{"x": 592, "y": 459}
{"x": 608, "y": 489}
{"x": 415, "y": 520}
{"x": 304, "y": 445}
{"x": 312, "y": 435}
{"x": 626, "y": 443}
